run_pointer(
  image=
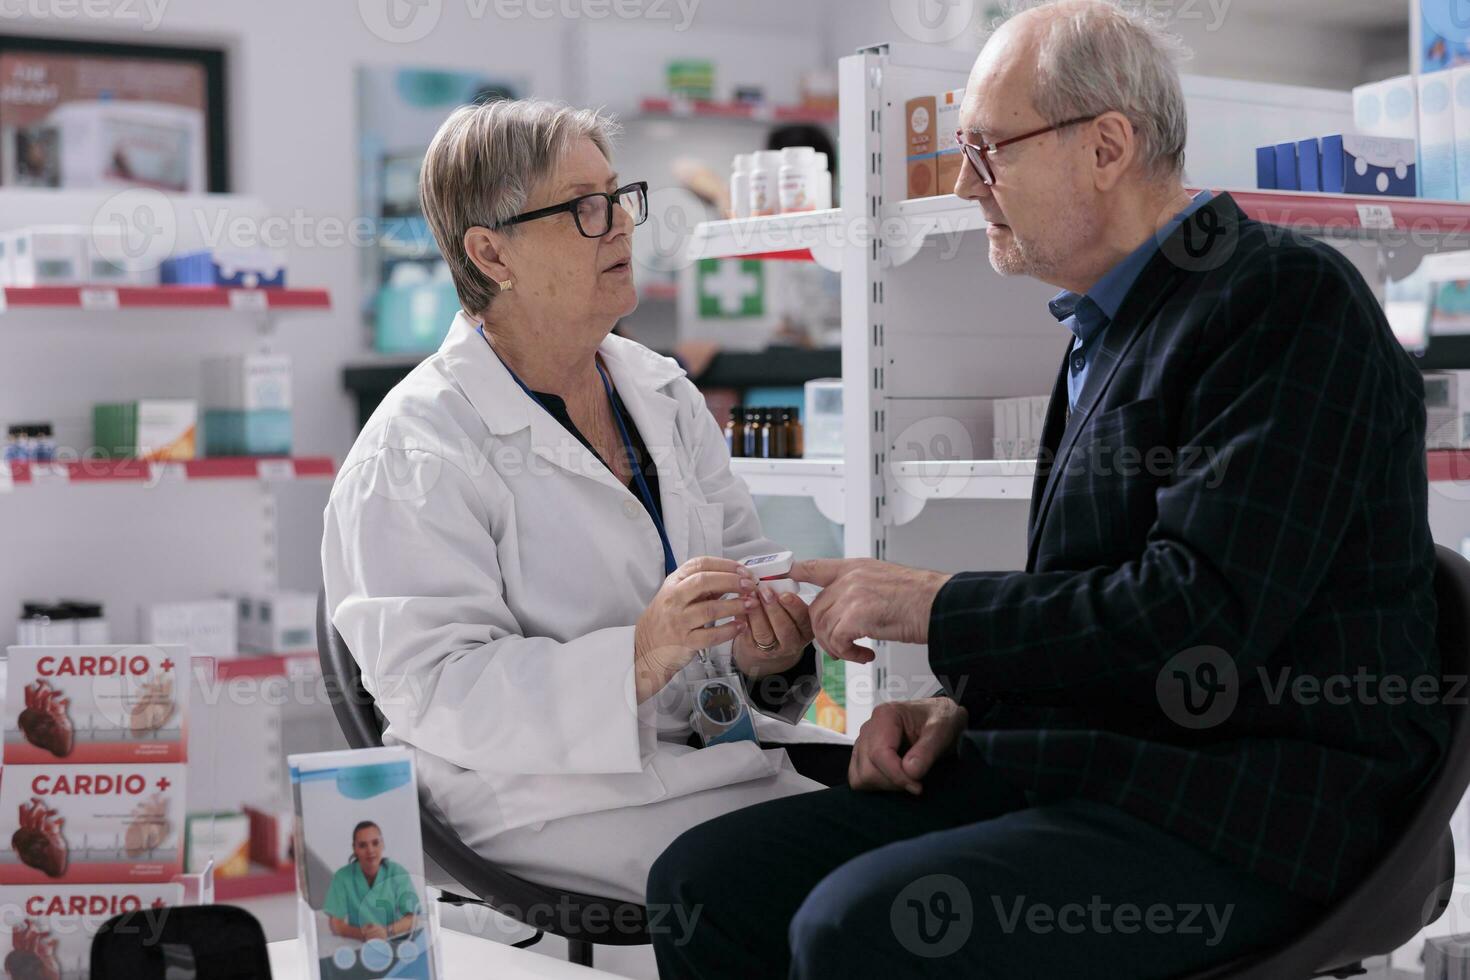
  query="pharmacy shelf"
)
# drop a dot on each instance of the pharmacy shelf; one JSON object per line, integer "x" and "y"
{"x": 809, "y": 236}
{"x": 818, "y": 479}
{"x": 753, "y": 112}
{"x": 259, "y": 882}
{"x": 908, "y": 225}
{"x": 96, "y": 299}
{"x": 1449, "y": 465}
{"x": 918, "y": 482}
{"x": 275, "y": 469}
{"x": 262, "y": 665}
{"x": 1356, "y": 215}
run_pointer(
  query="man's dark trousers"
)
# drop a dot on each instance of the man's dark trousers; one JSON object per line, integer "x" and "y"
{"x": 968, "y": 880}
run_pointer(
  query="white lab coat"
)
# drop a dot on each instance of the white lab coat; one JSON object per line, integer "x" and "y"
{"x": 486, "y": 571}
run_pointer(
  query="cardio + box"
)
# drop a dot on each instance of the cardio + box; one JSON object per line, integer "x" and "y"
{"x": 96, "y": 704}
{"x": 91, "y": 824}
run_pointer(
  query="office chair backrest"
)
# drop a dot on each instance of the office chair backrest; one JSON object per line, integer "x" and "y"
{"x": 215, "y": 942}
{"x": 1411, "y": 883}
{"x": 351, "y": 703}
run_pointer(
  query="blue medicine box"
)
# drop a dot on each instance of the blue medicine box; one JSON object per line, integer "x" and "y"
{"x": 1375, "y": 165}
{"x": 1309, "y": 165}
{"x": 249, "y": 268}
{"x": 1266, "y": 168}
{"x": 1286, "y": 168}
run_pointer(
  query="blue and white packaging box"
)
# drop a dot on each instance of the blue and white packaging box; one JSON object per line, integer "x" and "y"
{"x": 1287, "y": 177}
{"x": 1437, "y": 177}
{"x": 1309, "y": 165}
{"x": 1369, "y": 165}
{"x": 1460, "y": 89}
{"x": 245, "y": 268}
{"x": 1266, "y": 168}
{"x": 1389, "y": 109}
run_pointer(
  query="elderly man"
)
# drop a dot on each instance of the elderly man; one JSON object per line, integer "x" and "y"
{"x": 1125, "y": 777}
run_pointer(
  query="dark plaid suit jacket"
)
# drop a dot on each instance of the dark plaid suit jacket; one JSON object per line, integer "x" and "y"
{"x": 1228, "y": 600}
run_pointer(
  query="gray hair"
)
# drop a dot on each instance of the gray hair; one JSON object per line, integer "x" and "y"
{"x": 1100, "y": 56}
{"x": 482, "y": 166}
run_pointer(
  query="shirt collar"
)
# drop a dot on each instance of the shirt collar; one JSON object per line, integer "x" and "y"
{"x": 1101, "y": 303}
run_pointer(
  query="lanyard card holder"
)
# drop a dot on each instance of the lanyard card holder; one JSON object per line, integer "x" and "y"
{"x": 721, "y": 711}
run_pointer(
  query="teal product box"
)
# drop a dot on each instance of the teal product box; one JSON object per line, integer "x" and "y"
{"x": 230, "y": 432}
{"x": 1368, "y": 165}
{"x": 1266, "y": 168}
{"x": 1309, "y": 165}
{"x": 415, "y": 318}
{"x": 247, "y": 405}
{"x": 1286, "y": 168}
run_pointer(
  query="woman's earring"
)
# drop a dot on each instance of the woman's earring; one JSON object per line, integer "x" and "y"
{"x": 506, "y": 286}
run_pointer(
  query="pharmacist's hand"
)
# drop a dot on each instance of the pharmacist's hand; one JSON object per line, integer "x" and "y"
{"x": 899, "y": 744}
{"x": 862, "y": 597}
{"x": 676, "y": 623}
{"x": 779, "y": 620}
{"x": 374, "y": 931}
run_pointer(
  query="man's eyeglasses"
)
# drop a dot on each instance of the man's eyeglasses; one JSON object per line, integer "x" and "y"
{"x": 593, "y": 213}
{"x": 979, "y": 153}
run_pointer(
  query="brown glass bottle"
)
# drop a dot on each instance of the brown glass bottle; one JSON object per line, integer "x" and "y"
{"x": 735, "y": 432}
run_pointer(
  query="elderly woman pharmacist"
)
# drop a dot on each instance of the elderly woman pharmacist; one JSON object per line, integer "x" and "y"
{"x": 527, "y": 544}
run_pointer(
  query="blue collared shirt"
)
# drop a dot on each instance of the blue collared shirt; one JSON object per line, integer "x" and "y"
{"x": 1088, "y": 316}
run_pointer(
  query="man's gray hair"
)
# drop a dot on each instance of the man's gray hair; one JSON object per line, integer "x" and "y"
{"x": 1100, "y": 56}
{"x": 483, "y": 165}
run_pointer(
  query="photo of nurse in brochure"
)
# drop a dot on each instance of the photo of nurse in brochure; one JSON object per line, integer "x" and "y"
{"x": 364, "y": 907}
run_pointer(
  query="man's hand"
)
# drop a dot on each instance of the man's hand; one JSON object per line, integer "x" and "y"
{"x": 863, "y": 597}
{"x": 898, "y": 745}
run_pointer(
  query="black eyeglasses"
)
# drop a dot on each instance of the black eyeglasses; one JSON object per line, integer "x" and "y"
{"x": 594, "y": 212}
{"x": 979, "y": 153}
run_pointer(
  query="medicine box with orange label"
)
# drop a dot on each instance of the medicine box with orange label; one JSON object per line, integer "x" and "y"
{"x": 96, "y": 704}
{"x": 922, "y": 146}
{"x": 47, "y": 931}
{"x": 91, "y": 824}
{"x": 947, "y": 144}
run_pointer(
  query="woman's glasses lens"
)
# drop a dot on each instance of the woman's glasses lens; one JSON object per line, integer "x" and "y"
{"x": 593, "y": 212}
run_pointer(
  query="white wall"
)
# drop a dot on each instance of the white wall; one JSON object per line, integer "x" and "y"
{"x": 1260, "y": 40}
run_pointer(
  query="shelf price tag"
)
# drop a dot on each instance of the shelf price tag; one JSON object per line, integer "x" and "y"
{"x": 98, "y": 299}
{"x": 248, "y": 301}
{"x": 1375, "y": 217}
{"x": 275, "y": 470}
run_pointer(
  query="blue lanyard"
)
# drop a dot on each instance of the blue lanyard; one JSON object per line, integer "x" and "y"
{"x": 644, "y": 494}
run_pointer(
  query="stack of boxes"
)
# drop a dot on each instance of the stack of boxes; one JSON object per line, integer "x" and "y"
{"x": 247, "y": 412}
{"x": 247, "y": 405}
{"x": 933, "y": 152}
{"x": 1411, "y": 139}
{"x": 267, "y": 623}
{"x": 1447, "y": 409}
{"x": 150, "y": 428}
{"x": 51, "y": 255}
{"x": 1018, "y": 426}
{"x": 91, "y": 795}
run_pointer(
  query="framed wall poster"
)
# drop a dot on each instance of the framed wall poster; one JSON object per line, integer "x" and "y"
{"x": 82, "y": 114}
